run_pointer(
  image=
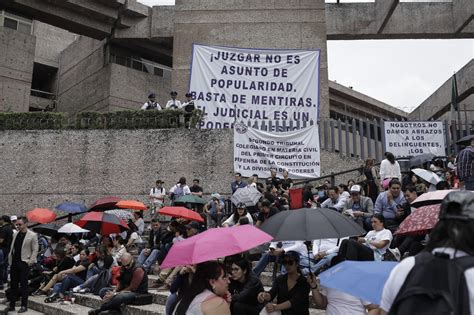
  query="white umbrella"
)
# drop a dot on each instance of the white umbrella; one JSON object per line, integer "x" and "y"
{"x": 121, "y": 213}
{"x": 248, "y": 195}
{"x": 70, "y": 228}
{"x": 429, "y": 176}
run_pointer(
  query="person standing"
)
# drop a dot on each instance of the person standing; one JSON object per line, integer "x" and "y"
{"x": 22, "y": 256}
{"x": 6, "y": 236}
{"x": 465, "y": 166}
{"x": 173, "y": 103}
{"x": 389, "y": 169}
{"x": 151, "y": 104}
{"x": 238, "y": 183}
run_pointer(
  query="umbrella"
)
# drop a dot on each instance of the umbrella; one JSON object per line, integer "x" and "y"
{"x": 71, "y": 228}
{"x": 310, "y": 224}
{"x": 131, "y": 204}
{"x": 420, "y": 221}
{"x": 106, "y": 203}
{"x": 419, "y": 160}
{"x": 41, "y": 215}
{"x": 431, "y": 198}
{"x": 362, "y": 279}
{"x": 181, "y": 212}
{"x": 214, "y": 243}
{"x": 248, "y": 195}
{"x": 72, "y": 207}
{"x": 429, "y": 176}
{"x": 465, "y": 140}
{"x": 122, "y": 214}
{"x": 49, "y": 229}
{"x": 190, "y": 199}
{"x": 102, "y": 223}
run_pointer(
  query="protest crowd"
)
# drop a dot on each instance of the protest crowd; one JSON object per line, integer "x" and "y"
{"x": 115, "y": 260}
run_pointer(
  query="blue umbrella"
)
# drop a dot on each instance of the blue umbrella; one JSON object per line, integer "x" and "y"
{"x": 362, "y": 279}
{"x": 72, "y": 207}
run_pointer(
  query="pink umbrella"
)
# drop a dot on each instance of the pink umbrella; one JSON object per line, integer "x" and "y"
{"x": 420, "y": 221}
{"x": 431, "y": 198}
{"x": 213, "y": 244}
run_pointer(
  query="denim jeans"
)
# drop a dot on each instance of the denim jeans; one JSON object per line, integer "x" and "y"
{"x": 170, "y": 303}
{"x": 214, "y": 217}
{"x": 147, "y": 261}
{"x": 116, "y": 301}
{"x": 93, "y": 271}
{"x": 263, "y": 263}
{"x": 69, "y": 282}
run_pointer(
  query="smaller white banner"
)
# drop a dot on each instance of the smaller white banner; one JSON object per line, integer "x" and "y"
{"x": 256, "y": 152}
{"x": 404, "y": 138}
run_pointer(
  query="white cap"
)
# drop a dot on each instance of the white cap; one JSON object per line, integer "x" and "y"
{"x": 356, "y": 188}
{"x": 216, "y": 195}
{"x": 13, "y": 218}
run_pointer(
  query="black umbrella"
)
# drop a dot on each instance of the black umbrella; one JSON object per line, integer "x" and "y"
{"x": 49, "y": 229}
{"x": 421, "y": 159}
{"x": 465, "y": 140}
{"x": 310, "y": 224}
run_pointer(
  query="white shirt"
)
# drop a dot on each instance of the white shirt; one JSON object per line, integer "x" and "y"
{"x": 140, "y": 223}
{"x": 389, "y": 170}
{"x": 339, "y": 204}
{"x": 230, "y": 220}
{"x": 340, "y": 303}
{"x": 186, "y": 190}
{"x": 297, "y": 246}
{"x": 377, "y": 236}
{"x": 158, "y": 195}
{"x": 400, "y": 272}
{"x": 145, "y": 106}
{"x": 173, "y": 104}
{"x": 328, "y": 245}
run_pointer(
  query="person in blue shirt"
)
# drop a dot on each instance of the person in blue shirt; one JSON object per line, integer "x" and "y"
{"x": 238, "y": 183}
{"x": 390, "y": 204}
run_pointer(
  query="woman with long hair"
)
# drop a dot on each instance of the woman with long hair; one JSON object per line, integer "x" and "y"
{"x": 389, "y": 168}
{"x": 373, "y": 183}
{"x": 244, "y": 287}
{"x": 207, "y": 292}
{"x": 291, "y": 289}
{"x": 240, "y": 211}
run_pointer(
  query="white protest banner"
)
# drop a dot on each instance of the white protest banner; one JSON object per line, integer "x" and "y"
{"x": 256, "y": 151}
{"x": 411, "y": 138}
{"x": 254, "y": 84}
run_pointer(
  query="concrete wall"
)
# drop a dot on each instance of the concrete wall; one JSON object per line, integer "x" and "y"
{"x": 50, "y": 42}
{"x": 439, "y": 102}
{"x": 17, "y": 52}
{"x": 129, "y": 88}
{"x": 249, "y": 23}
{"x": 44, "y": 168}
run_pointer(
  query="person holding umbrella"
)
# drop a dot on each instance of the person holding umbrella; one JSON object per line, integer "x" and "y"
{"x": 290, "y": 289}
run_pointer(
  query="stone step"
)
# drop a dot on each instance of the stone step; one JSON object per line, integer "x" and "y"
{"x": 94, "y": 301}
{"x": 37, "y": 303}
{"x": 29, "y": 312}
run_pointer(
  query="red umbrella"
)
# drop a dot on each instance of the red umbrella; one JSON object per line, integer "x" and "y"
{"x": 41, "y": 215}
{"x": 131, "y": 204}
{"x": 181, "y": 212}
{"x": 420, "y": 221}
{"x": 102, "y": 223}
{"x": 106, "y": 203}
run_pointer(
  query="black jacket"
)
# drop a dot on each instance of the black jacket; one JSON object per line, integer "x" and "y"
{"x": 246, "y": 292}
{"x": 298, "y": 295}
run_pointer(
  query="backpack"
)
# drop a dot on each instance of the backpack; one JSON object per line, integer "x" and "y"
{"x": 435, "y": 285}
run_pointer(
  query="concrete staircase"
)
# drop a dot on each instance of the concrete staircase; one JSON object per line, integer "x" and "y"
{"x": 85, "y": 302}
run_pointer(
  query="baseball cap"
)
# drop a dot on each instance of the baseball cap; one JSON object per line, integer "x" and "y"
{"x": 13, "y": 218}
{"x": 355, "y": 188}
{"x": 457, "y": 205}
{"x": 216, "y": 195}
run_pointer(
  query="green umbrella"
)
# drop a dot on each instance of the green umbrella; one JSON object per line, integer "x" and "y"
{"x": 191, "y": 199}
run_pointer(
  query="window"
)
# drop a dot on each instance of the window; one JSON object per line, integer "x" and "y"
{"x": 10, "y": 23}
